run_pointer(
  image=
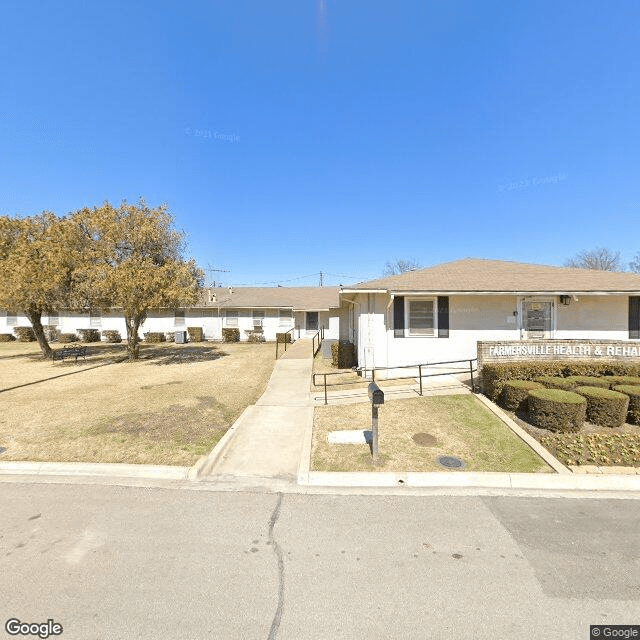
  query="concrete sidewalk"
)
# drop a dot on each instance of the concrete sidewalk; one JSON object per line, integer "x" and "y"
{"x": 267, "y": 439}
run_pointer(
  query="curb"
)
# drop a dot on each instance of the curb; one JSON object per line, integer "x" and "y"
{"x": 108, "y": 470}
{"x": 477, "y": 480}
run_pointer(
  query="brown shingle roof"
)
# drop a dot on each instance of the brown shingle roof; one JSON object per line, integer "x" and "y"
{"x": 296, "y": 298}
{"x": 488, "y": 276}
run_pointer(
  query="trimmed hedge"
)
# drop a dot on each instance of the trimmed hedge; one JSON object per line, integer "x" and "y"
{"x": 256, "y": 337}
{"x": 196, "y": 334}
{"x": 342, "y": 354}
{"x": 623, "y": 380}
{"x": 89, "y": 335}
{"x": 589, "y": 381}
{"x": 154, "y": 336}
{"x": 495, "y": 375}
{"x": 230, "y": 334}
{"x": 556, "y": 410}
{"x": 51, "y": 333}
{"x": 25, "y": 334}
{"x": 515, "y": 393}
{"x": 555, "y": 382}
{"x": 170, "y": 336}
{"x": 67, "y": 338}
{"x": 633, "y": 413}
{"x": 112, "y": 336}
{"x": 605, "y": 408}
{"x": 7, "y": 337}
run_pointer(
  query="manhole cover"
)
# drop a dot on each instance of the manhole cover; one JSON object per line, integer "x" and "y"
{"x": 424, "y": 439}
{"x": 451, "y": 462}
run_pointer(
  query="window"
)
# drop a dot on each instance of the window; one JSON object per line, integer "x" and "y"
{"x": 95, "y": 318}
{"x": 232, "y": 317}
{"x": 286, "y": 318}
{"x": 179, "y": 318}
{"x": 258, "y": 317}
{"x": 54, "y": 321}
{"x": 421, "y": 317}
{"x": 12, "y": 319}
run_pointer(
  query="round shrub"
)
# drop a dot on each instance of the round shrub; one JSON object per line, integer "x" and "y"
{"x": 556, "y": 409}
{"x": 230, "y": 334}
{"x": 633, "y": 413}
{"x": 515, "y": 393}
{"x": 623, "y": 380}
{"x": 154, "y": 336}
{"x": 556, "y": 382}
{"x": 25, "y": 334}
{"x": 112, "y": 336}
{"x": 7, "y": 337}
{"x": 89, "y": 335}
{"x": 588, "y": 381}
{"x": 605, "y": 408}
{"x": 66, "y": 338}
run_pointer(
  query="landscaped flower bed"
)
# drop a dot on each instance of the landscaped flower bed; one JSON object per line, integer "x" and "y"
{"x": 600, "y": 449}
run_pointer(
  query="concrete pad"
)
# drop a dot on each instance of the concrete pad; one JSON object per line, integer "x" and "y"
{"x": 358, "y": 436}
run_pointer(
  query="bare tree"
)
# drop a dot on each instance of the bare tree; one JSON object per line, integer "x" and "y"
{"x": 399, "y": 266}
{"x": 600, "y": 259}
{"x": 634, "y": 265}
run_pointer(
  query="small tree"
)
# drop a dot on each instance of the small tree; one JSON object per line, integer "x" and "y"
{"x": 135, "y": 262}
{"x": 38, "y": 255}
{"x": 600, "y": 259}
{"x": 399, "y": 266}
{"x": 634, "y": 265}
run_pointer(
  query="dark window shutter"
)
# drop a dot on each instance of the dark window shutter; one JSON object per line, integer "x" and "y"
{"x": 398, "y": 317}
{"x": 634, "y": 317}
{"x": 443, "y": 316}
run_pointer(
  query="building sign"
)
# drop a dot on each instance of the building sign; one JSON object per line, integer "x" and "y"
{"x": 521, "y": 350}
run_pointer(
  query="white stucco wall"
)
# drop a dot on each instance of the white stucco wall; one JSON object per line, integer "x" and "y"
{"x": 473, "y": 318}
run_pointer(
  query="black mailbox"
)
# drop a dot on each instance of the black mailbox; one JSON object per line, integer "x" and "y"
{"x": 376, "y": 394}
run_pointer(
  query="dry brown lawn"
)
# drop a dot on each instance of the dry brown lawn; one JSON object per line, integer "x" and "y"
{"x": 170, "y": 407}
{"x": 461, "y": 424}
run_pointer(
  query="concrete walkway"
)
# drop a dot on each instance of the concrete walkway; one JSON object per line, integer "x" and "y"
{"x": 267, "y": 439}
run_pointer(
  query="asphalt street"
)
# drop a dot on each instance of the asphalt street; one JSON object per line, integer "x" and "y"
{"x": 112, "y": 562}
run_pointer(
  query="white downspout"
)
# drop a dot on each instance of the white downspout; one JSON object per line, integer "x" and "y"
{"x": 393, "y": 295}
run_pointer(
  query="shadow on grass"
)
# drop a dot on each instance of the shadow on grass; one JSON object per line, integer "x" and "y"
{"x": 180, "y": 355}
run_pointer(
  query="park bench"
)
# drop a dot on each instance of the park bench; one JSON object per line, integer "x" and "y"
{"x": 73, "y": 350}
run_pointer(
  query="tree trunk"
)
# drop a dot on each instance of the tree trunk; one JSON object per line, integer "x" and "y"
{"x": 133, "y": 339}
{"x": 35, "y": 318}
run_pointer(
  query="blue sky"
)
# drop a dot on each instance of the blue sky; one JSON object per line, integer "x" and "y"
{"x": 300, "y": 136}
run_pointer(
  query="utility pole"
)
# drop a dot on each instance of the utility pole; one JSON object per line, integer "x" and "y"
{"x": 321, "y": 278}
{"x": 211, "y": 271}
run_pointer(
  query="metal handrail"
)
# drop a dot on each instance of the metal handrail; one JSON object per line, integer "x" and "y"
{"x": 285, "y": 341}
{"x": 320, "y": 336}
{"x": 404, "y": 366}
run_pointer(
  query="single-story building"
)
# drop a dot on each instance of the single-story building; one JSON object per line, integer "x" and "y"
{"x": 440, "y": 313}
{"x": 267, "y": 310}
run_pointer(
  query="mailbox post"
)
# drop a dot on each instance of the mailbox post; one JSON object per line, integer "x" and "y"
{"x": 376, "y": 395}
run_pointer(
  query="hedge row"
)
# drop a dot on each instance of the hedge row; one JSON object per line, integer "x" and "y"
{"x": 154, "y": 336}
{"x": 196, "y": 334}
{"x": 494, "y": 376}
{"x": 515, "y": 393}
{"x": 557, "y": 410}
{"x": 89, "y": 335}
{"x": 605, "y": 408}
{"x": 7, "y": 337}
{"x": 342, "y": 354}
{"x": 25, "y": 334}
{"x": 231, "y": 334}
{"x": 633, "y": 414}
{"x": 66, "y": 338}
{"x": 112, "y": 336}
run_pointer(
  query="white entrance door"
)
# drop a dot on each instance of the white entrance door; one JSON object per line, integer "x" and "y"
{"x": 537, "y": 319}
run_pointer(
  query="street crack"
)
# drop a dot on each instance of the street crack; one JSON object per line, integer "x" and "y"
{"x": 275, "y": 624}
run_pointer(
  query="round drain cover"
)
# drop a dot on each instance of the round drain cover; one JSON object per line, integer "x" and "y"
{"x": 451, "y": 462}
{"x": 424, "y": 439}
